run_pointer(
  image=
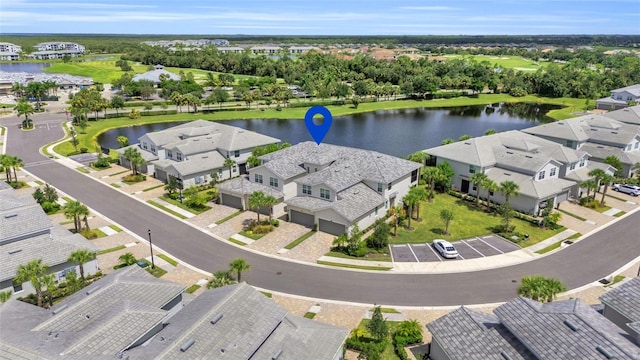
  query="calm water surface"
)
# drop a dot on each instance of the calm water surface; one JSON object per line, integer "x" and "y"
{"x": 24, "y": 67}
{"x": 394, "y": 132}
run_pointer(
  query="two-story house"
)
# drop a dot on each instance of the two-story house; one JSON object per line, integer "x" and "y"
{"x": 333, "y": 187}
{"x": 598, "y": 135}
{"x": 194, "y": 151}
{"x": 541, "y": 168}
{"x": 620, "y": 98}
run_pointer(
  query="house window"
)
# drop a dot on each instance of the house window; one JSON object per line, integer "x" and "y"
{"x": 306, "y": 189}
{"x": 573, "y": 166}
{"x": 273, "y": 181}
{"x": 144, "y": 145}
{"x": 582, "y": 162}
{"x": 472, "y": 169}
{"x": 636, "y": 146}
{"x": 414, "y": 176}
{"x": 17, "y": 287}
{"x": 315, "y": 170}
{"x": 199, "y": 179}
{"x": 386, "y": 204}
{"x": 179, "y": 156}
{"x": 629, "y": 147}
{"x": 236, "y": 153}
{"x": 379, "y": 187}
{"x": 376, "y": 212}
{"x": 541, "y": 175}
{"x": 235, "y": 168}
{"x": 169, "y": 154}
{"x": 552, "y": 172}
{"x": 258, "y": 178}
{"x": 570, "y": 143}
{"x": 153, "y": 148}
{"x": 389, "y": 186}
{"x": 219, "y": 172}
{"x": 491, "y": 193}
{"x": 325, "y": 194}
{"x": 474, "y": 188}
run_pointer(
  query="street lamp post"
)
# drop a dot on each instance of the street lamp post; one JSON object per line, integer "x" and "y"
{"x": 153, "y": 265}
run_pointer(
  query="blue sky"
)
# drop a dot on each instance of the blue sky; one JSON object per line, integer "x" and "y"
{"x": 325, "y": 17}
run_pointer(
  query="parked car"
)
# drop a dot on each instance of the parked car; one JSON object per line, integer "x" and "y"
{"x": 627, "y": 189}
{"x": 445, "y": 248}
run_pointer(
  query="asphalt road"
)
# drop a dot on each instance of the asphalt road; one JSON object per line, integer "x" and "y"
{"x": 584, "y": 262}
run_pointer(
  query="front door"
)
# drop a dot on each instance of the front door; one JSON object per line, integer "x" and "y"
{"x": 465, "y": 186}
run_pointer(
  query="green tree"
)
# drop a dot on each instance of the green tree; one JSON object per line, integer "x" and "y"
{"x": 410, "y": 200}
{"x": 32, "y": 272}
{"x": 508, "y": 189}
{"x": 597, "y": 175}
{"x": 410, "y": 329}
{"x": 490, "y": 132}
{"x": 172, "y": 185}
{"x": 396, "y": 212}
{"x": 464, "y": 137}
{"x": 123, "y": 141}
{"x": 117, "y": 103}
{"x": 491, "y": 187}
{"x": 540, "y": 288}
{"x": 446, "y": 215}
{"x": 354, "y": 241}
{"x": 380, "y": 237}
{"x": 135, "y": 159}
{"x": 420, "y": 157}
{"x": 446, "y": 176}
{"x": 127, "y": 259}
{"x": 447, "y": 141}
{"x": 48, "y": 283}
{"x": 506, "y": 213}
{"x": 478, "y": 179}
{"x": 220, "y": 96}
{"x": 615, "y": 162}
{"x": 355, "y": 101}
{"x": 431, "y": 175}
{"x": 421, "y": 195}
{"x": 378, "y": 325}
{"x": 24, "y": 108}
{"x": 228, "y": 162}
{"x": 269, "y": 202}
{"x": 220, "y": 278}
{"x": 238, "y": 266}
{"x": 590, "y": 185}
{"x": 81, "y": 256}
{"x": 606, "y": 180}
{"x": 256, "y": 202}
{"x": 76, "y": 210}
{"x": 37, "y": 90}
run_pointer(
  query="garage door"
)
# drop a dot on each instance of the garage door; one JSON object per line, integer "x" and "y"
{"x": 301, "y": 218}
{"x": 232, "y": 201}
{"x": 331, "y": 227}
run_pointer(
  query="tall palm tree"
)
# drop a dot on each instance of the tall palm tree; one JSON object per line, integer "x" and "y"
{"x": 597, "y": 175}
{"x": 16, "y": 164}
{"x": 24, "y": 108}
{"x": 239, "y": 265}
{"x": 81, "y": 256}
{"x": 269, "y": 202}
{"x": 420, "y": 157}
{"x": 606, "y": 180}
{"x": 410, "y": 201}
{"x": 256, "y": 201}
{"x": 431, "y": 175}
{"x": 18, "y": 90}
{"x": 396, "y": 211}
{"x": 228, "y": 162}
{"x": 478, "y": 179}
{"x": 5, "y": 162}
{"x": 48, "y": 282}
{"x": 37, "y": 90}
{"x": 421, "y": 195}
{"x": 508, "y": 188}
{"x": 78, "y": 212}
{"x": 131, "y": 155}
{"x": 589, "y": 185}
{"x": 491, "y": 187}
{"x": 32, "y": 272}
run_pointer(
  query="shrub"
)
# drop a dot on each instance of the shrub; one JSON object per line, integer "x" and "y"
{"x": 262, "y": 229}
{"x": 135, "y": 178}
{"x": 50, "y": 207}
{"x": 89, "y": 234}
{"x": 275, "y": 222}
{"x": 83, "y": 150}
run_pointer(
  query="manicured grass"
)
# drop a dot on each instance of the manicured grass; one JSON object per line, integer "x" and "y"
{"x": 267, "y": 294}
{"x": 157, "y": 271}
{"x": 237, "y": 242}
{"x": 574, "y": 236}
{"x": 67, "y": 199}
{"x": 299, "y": 240}
{"x": 103, "y": 71}
{"x": 99, "y": 232}
{"x": 184, "y": 206}
{"x": 201, "y": 75}
{"x": 39, "y": 182}
{"x": 619, "y": 213}
{"x": 168, "y": 259}
{"x": 115, "y": 185}
{"x": 617, "y": 198}
{"x": 517, "y": 63}
{"x": 350, "y": 266}
{"x": 82, "y": 169}
{"x": 309, "y": 315}
{"x": 165, "y": 209}
{"x": 602, "y": 209}
{"x": 468, "y": 222}
{"x": 550, "y": 247}
{"x": 372, "y": 257}
{"x": 388, "y": 353}
{"x": 66, "y": 222}
{"x": 153, "y": 187}
{"x": 115, "y": 228}
{"x": 252, "y": 235}
{"x": 193, "y": 288}
{"x": 572, "y": 215}
{"x": 95, "y": 128}
{"x": 229, "y": 217}
{"x": 387, "y": 310}
{"x": 105, "y": 251}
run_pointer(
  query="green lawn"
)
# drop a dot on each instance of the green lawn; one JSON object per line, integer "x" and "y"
{"x": 103, "y": 71}
{"x": 184, "y": 206}
{"x": 468, "y": 222}
{"x": 388, "y": 353}
{"x": 506, "y": 61}
{"x": 163, "y": 208}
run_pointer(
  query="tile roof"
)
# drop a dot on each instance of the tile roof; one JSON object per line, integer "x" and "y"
{"x": 242, "y": 186}
{"x": 629, "y": 115}
{"x": 527, "y": 185}
{"x": 20, "y": 217}
{"x": 195, "y": 163}
{"x": 625, "y": 299}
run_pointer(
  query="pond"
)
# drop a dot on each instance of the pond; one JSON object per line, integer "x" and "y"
{"x": 394, "y": 132}
{"x": 31, "y": 68}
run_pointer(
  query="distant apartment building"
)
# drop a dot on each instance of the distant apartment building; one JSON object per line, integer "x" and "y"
{"x": 302, "y": 49}
{"x": 230, "y": 49}
{"x": 188, "y": 43}
{"x": 9, "y": 51}
{"x": 56, "y": 50}
{"x": 620, "y": 98}
{"x": 267, "y": 49}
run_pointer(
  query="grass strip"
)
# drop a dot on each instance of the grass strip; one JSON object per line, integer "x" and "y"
{"x": 39, "y": 182}
{"x": 310, "y": 315}
{"x": 267, "y": 294}
{"x": 193, "y": 288}
{"x": 602, "y": 209}
{"x": 299, "y": 240}
{"x": 105, "y": 251}
{"x": 156, "y": 271}
{"x": 165, "y": 209}
{"x": 617, "y": 198}
{"x": 99, "y": 232}
{"x": 252, "y": 235}
{"x": 82, "y": 170}
{"x": 168, "y": 259}
{"x": 153, "y": 187}
{"x": 619, "y": 213}
{"x": 574, "y": 236}
{"x": 237, "y": 242}
{"x": 119, "y": 172}
{"x": 67, "y": 199}
{"x": 387, "y": 310}
{"x": 66, "y": 222}
{"x": 115, "y": 228}
{"x": 572, "y": 215}
{"x": 550, "y": 247}
{"x": 116, "y": 186}
{"x": 185, "y": 207}
{"x": 229, "y": 217}
{"x": 345, "y": 256}
{"x": 351, "y": 266}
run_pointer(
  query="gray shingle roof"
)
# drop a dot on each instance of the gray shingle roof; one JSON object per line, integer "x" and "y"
{"x": 242, "y": 186}
{"x": 600, "y": 151}
{"x": 195, "y": 163}
{"x": 527, "y": 185}
{"x": 20, "y": 217}
{"x": 625, "y": 299}
{"x": 284, "y": 169}
{"x": 630, "y": 115}
{"x": 154, "y": 76}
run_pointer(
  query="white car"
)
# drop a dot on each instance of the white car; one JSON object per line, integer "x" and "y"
{"x": 445, "y": 248}
{"x": 627, "y": 189}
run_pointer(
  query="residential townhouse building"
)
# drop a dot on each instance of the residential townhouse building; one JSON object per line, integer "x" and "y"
{"x": 598, "y": 135}
{"x": 56, "y": 50}
{"x": 266, "y": 49}
{"x": 193, "y": 151}
{"x": 331, "y": 187}
{"x": 622, "y": 307}
{"x": 620, "y": 98}
{"x": 629, "y": 115}
{"x": 27, "y": 234}
{"x": 9, "y": 51}
{"x": 541, "y": 168}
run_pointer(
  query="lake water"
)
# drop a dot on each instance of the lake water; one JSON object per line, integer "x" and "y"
{"x": 394, "y": 132}
{"x": 24, "y": 67}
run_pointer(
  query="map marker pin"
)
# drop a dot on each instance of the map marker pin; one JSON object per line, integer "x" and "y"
{"x": 318, "y": 132}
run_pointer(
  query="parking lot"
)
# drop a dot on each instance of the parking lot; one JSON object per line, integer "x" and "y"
{"x": 467, "y": 249}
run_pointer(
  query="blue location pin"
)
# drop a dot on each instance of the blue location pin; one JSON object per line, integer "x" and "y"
{"x": 318, "y": 132}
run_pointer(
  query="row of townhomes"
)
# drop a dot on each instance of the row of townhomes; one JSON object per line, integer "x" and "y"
{"x": 620, "y": 98}
{"x": 56, "y": 50}
{"x": 193, "y": 151}
{"x": 333, "y": 187}
{"x": 130, "y": 314}
{"x": 549, "y": 161}
{"x": 523, "y": 329}
{"x": 9, "y": 51}
{"x": 26, "y": 234}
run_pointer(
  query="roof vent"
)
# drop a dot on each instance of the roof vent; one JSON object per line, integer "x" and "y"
{"x": 10, "y": 216}
{"x": 14, "y": 251}
{"x": 604, "y": 352}
{"x": 509, "y": 152}
{"x": 216, "y": 319}
{"x": 187, "y": 345}
{"x": 528, "y": 156}
{"x": 571, "y": 325}
{"x": 57, "y": 310}
{"x": 91, "y": 291}
{"x": 614, "y": 132}
{"x": 505, "y": 355}
{"x": 467, "y": 143}
{"x": 277, "y": 355}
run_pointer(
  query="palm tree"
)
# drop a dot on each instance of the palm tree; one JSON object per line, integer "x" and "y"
{"x": 37, "y": 90}
{"x": 81, "y": 256}
{"x": 18, "y": 90}
{"x": 420, "y": 157}
{"x": 48, "y": 282}
{"x": 32, "y": 272}
{"x": 239, "y": 265}
{"x": 123, "y": 141}
{"x": 539, "y": 288}
{"x": 256, "y": 201}
{"x": 589, "y": 185}
{"x": 5, "y": 163}
{"x": 10, "y": 162}
{"x": 508, "y": 188}
{"x": 76, "y": 210}
{"x": 606, "y": 180}
{"x": 491, "y": 187}
{"x": 229, "y": 163}
{"x": 24, "y": 108}
{"x": 478, "y": 179}
{"x": 269, "y": 201}
{"x": 220, "y": 278}
{"x": 421, "y": 195}
{"x": 410, "y": 201}
{"x": 132, "y": 154}
{"x": 127, "y": 259}
{"x": 597, "y": 175}
{"x": 446, "y": 215}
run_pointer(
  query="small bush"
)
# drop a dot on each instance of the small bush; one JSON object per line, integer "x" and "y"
{"x": 89, "y": 234}
{"x": 50, "y": 207}
{"x": 83, "y": 150}
{"x": 262, "y": 229}
{"x": 275, "y": 222}
{"x": 134, "y": 178}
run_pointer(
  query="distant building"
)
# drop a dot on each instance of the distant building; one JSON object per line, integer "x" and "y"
{"x": 9, "y": 52}
{"x": 156, "y": 75}
{"x": 620, "y": 98}
{"x": 187, "y": 43}
{"x": 56, "y": 50}
{"x": 271, "y": 50}
{"x": 230, "y": 49}
{"x": 302, "y": 49}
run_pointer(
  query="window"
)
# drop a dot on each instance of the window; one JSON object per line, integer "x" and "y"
{"x": 491, "y": 193}
{"x": 325, "y": 194}
{"x": 306, "y": 189}
{"x": 379, "y": 187}
{"x": 583, "y": 161}
{"x": 235, "y": 168}
{"x": 386, "y": 204}
{"x": 199, "y": 179}
{"x": 570, "y": 143}
{"x": 472, "y": 169}
{"x": 219, "y": 172}
{"x": 636, "y": 146}
{"x": 257, "y": 178}
{"x": 541, "y": 175}
{"x": 573, "y": 166}
{"x": 236, "y": 153}
{"x": 169, "y": 154}
{"x": 389, "y": 186}
{"x": 315, "y": 170}
{"x": 474, "y": 188}
{"x": 153, "y": 148}
{"x": 144, "y": 145}
{"x": 414, "y": 176}
{"x": 629, "y": 147}
{"x": 17, "y": 287}
{"x": 376, "y": 212}
{"x": 179, "y": 156}
{"x": 552, "y": 172}
{"x": 273, "y": 181}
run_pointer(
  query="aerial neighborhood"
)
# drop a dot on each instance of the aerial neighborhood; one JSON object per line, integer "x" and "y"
{"x": 131, "y": 229}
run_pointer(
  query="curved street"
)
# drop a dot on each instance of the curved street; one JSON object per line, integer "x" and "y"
{"x": 584, "y": 262}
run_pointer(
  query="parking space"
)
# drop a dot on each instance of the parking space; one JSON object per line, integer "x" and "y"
{"x": 467, "y": 249}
